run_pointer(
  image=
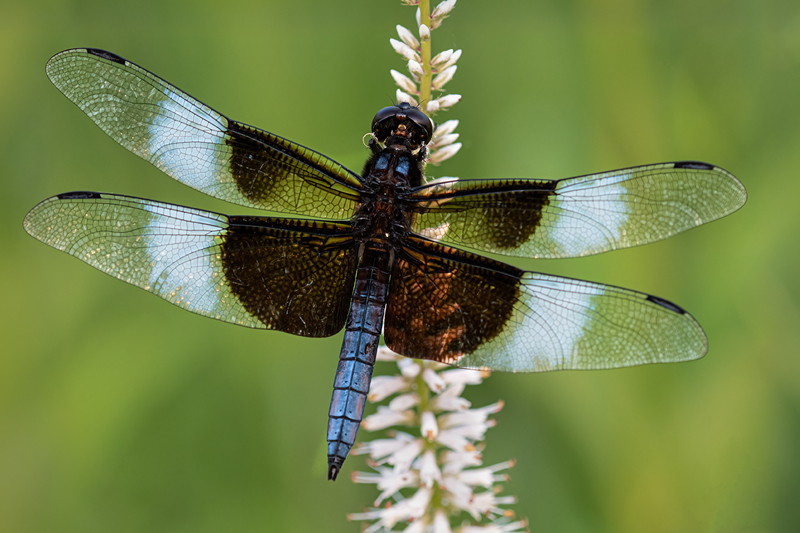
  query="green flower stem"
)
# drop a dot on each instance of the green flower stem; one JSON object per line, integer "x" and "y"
{"x": 423, "y": 391}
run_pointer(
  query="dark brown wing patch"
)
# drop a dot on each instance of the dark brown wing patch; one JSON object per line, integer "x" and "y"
{"x": 444, "y": 303}
{"x": 293, "y": 275}
{"x": 501, "y": 215}
{"x": 271, "y": 171}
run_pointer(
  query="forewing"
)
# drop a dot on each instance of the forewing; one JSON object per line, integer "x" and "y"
{"x": 577, "y": 216}
{"x": 199, "y": 146}
{"x": 289, "y": 275}
{"x": 461, "y": 309}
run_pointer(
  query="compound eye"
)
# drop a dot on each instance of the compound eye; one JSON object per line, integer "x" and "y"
{"x": 422, "y": 120}
{"x": 383, "y": 114}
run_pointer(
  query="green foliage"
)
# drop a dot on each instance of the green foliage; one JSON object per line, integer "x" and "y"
{"x": 119, "y": 412}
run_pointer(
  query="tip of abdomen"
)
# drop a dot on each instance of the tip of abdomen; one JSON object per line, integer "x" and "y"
{"x": 334, "y": 467}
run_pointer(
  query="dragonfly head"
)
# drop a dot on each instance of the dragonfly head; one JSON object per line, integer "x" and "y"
{"x": 402, "y": 120}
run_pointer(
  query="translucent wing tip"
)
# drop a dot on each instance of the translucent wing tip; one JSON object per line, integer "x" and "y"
{"x": 734, "y": 189}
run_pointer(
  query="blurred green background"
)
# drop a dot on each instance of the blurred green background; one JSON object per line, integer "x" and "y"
{"x": 120, "y": 412}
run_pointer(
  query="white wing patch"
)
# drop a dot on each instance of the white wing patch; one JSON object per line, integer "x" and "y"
{"x": 549, "y": 310}
{"x": 185, "y": 260}
{"x": 596, "y": 219}
{"x": 186, "y": 140}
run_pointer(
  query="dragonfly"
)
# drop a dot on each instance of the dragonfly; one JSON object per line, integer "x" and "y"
{"x": 383, "y": 252}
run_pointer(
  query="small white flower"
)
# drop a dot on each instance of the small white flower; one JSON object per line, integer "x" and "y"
{"x": 459, "y": 492}
{"x": 463, "y": 375}
{"x": 444, "y": 77}
{"x": 445, "y": 128}
{"x": 480, "y": 477}
{"x": 380, "y": 448}
{"x": 389, "y": 481}
{"x": 486, "y": 503}
{"x": 449, "y": 403}
{"x": 408, "y": 510}
{"x": 424, "y": 33}
{"x": 441, "y": 524}
{"x": 406, "y": 401}
{"x": 444, "y": 181}
{"x": 386, "y": 355}
{"x": 428, "y": 425}
{"x": 445, "y": 153}
{"x": 408, "y": 368}
{"x": 441, "y": 58}
{"x": 404, "y": 82}
{"x": 433, "y": 380}
{"x": 385, "y": 418}
{"x": 455, "y": 462}
{"x": 443, "y": 9}
{"x": 454, "y": 390}
{"x": 400, "y": 96}
{"x": 472, "y": 416}
{"x": 429, "y": 470}
{"x": 454, "y": 440}
{"x": 404, "y": 50}
{"x": 510, "y": 527}
{"x": 472, "y": 431}
{"x": 369, "y": 515}
{"x": 384, "y": 386}
{"x": 432, "y": 107}
{"x": 407, "y": 37}
{"x": 403, "y": 457}
{"x": 448, "y": 100}
{"x": 451, "y": 61}
{"x": 415, "y": 67}
{"x": 443, "y": 140}
{"x": 417, "y": 526}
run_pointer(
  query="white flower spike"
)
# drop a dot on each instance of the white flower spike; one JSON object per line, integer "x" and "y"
{"x": 441, "y": 459}
{"x": 428, "y": 75}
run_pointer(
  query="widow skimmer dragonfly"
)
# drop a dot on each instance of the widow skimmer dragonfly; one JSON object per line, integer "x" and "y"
{"x": 379, "y": 253}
